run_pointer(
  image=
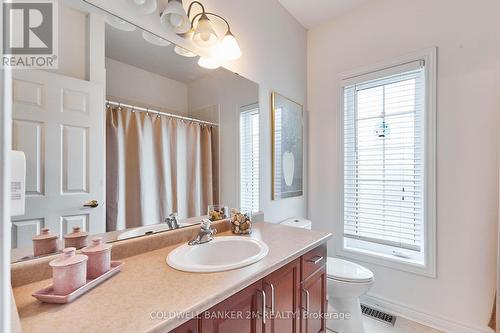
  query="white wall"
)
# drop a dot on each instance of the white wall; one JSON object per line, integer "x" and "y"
{"x": 466, "y": 34}
{"x": 73, "y": 43}
{"x": 230, "y": 92}
{"x": 134, "y": 85}
{"x": 274, "y": 56}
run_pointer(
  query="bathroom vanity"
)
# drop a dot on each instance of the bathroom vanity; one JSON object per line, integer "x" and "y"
{"x": 150, "y": 296}
{"x": 282, "y": 300}
{"x": 118, "y": 145}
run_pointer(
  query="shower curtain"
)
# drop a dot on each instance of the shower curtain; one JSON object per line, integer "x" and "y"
{"x": 156, "y": 165}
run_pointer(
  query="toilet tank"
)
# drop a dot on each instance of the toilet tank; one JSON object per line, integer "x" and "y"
{"x": 298, "y": 222}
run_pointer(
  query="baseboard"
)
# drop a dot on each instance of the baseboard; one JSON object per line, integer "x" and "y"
{"x": 427, "y": 319}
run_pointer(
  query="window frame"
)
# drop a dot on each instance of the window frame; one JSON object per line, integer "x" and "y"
{"x": 242, "y": 109}
{"x": 428, "y": 268}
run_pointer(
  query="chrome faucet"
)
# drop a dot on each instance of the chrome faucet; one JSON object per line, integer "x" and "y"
{"x": 172, "y": 222}
{"x": 206, "y": 233}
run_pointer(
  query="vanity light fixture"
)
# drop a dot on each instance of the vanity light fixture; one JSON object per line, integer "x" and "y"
{"x": 146, "y": 6}
{"x": 200, "y": 31}
{"x": 228, "y": 48}
{"x": 174, "y": 17}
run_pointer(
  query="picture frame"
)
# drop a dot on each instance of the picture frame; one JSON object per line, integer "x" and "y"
{"x": 287, "y": 147}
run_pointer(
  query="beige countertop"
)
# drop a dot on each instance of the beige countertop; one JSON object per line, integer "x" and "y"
{"x": 147, "y": 285}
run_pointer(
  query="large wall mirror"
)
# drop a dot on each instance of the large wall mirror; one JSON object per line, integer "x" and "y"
{"x": 157, "y": 135}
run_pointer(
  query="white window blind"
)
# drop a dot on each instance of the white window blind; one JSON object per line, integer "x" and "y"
{"x": 249, "y": 159}
{"x": 384, "y": 158}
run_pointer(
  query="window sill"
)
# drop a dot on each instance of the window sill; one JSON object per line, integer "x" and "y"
{"x": 386, "y": 260}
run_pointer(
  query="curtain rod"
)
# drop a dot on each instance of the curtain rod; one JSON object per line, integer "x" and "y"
{"x": 171, "y": 115}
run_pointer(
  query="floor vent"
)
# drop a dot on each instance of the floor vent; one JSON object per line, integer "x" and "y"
{"x": 378, "y": 315}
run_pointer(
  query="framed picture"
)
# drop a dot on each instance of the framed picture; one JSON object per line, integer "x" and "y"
{"x": 287, "y": 147}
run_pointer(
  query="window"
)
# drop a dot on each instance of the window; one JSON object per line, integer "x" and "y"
{"x": 249, "y": 158}
{"x": 388, "y": 172}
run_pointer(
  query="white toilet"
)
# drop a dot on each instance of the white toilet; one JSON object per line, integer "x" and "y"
{"x": 347, "y": 281}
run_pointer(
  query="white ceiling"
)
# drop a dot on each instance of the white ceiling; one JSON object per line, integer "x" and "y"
{"x": 313, "y": 12}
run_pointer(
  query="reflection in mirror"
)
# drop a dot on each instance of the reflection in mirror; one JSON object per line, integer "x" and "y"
{"x": 146, "y": 151}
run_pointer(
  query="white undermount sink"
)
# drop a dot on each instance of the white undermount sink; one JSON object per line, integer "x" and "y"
{"x": 221, "y": 254}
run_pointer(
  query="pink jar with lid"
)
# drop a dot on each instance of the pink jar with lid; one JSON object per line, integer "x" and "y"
{"x": 99, "y": 254}
{"x": 45, "y": 243}
{"x": 69, "y": 271}
{"x": 76, "y": 238}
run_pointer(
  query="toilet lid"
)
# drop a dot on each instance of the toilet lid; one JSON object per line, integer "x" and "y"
{"x": 344, "y": 270}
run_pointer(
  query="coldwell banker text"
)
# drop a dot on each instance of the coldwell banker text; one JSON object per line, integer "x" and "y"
{"x": 30, "y": 37}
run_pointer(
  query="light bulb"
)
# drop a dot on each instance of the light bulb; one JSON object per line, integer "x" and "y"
{"x": 175, "y": 20}
{"x": 230, "y": 49}
{"x": 204, "y": 34}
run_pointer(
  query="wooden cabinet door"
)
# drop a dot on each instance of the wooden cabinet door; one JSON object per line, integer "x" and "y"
{"x": 240, "y": 313}
{"x": 283, "y": 299}
{"x": 314, "y": 304}
{"x": 188, "y": 327}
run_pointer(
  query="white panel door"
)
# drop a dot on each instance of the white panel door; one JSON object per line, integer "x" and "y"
{"x": 58, "y": 122}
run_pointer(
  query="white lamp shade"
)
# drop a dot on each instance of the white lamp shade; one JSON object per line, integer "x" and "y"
{"x": 174, "y": 17}
{"x": 204, "y": 34}
{"x": 155, "y": 40}
{"x": 146, "y": 6}
{"x": 208, "y": 63}
{"x": 229, "y": 48}
{"x": 183, "y": 52}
